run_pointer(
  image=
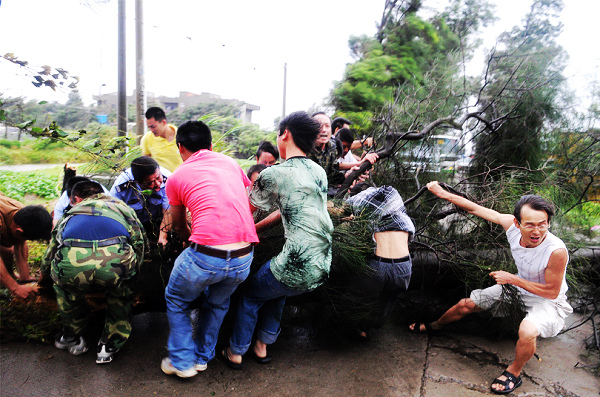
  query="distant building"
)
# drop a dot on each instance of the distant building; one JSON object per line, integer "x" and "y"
{"x": 185, "y": 99}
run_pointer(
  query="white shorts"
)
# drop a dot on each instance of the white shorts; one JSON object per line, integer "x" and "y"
{"x": 547, "y": 315}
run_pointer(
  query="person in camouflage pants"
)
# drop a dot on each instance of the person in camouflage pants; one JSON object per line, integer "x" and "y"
{"x": 99, "y": 242}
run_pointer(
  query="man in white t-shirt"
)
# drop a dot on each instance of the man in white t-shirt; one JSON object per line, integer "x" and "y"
{"x": 541, "y": 260}
{"x": 346, "y": 138}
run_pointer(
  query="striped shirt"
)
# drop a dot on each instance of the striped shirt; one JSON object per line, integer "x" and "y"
{"x": 386, "y": 209}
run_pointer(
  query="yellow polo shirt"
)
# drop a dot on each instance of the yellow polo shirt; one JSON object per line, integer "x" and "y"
{"x": 164, "y": 152}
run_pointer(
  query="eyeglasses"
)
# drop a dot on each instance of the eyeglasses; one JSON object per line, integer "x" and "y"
{"x": 541, "y": 228}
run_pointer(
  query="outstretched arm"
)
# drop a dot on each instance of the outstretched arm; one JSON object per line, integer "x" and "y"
{"x": 505, "y": 220}
{"x": 271, "y": 220}
{"x": 370, "y": 157}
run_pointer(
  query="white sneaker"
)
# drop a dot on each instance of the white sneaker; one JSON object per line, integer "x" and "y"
{"x": 73, "y": 344}
{"x": 169, "y": 369}
{"x": 200, "y": 367}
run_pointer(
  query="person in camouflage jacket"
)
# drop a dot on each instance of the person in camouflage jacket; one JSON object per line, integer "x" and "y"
{"x": 112, "y": 264}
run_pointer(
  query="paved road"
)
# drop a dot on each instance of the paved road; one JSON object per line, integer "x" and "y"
{"x": 307, "y": 362}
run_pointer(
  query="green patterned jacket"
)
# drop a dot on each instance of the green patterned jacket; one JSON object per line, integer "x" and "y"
{"x": 98, "y": 205}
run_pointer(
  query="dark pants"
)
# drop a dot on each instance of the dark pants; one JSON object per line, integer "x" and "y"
{"x": 376, "y": 291}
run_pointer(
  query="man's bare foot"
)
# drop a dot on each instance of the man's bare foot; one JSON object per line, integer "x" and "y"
{"x": 259, "y": 353}
{"x": 234, "y": 358}
{"x": 260, "y": 349}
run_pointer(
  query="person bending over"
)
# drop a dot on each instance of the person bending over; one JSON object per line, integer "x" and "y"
{"x": 298, "y": 187}
{"x": 99, "y": 243}
{"x": 212, "y": 187}
{"x": 19, "y": 223}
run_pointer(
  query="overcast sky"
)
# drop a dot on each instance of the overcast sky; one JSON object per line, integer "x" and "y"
{"x": 233, "y": 48}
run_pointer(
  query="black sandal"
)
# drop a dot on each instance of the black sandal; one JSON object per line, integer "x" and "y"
{"x": 428, "y": 329}
{"x": 230, "y": 364}
{"x": 516, "y": 381}
{"x": 261, "y": 360}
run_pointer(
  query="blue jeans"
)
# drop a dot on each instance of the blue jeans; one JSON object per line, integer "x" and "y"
{"x": 267, "y": 292}
{"x": 193, "y": 274}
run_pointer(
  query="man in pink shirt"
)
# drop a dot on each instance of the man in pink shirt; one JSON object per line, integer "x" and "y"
{"x": 212, "y": 187}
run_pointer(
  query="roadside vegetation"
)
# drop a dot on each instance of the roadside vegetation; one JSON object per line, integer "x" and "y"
{"x": 406, "y": 84}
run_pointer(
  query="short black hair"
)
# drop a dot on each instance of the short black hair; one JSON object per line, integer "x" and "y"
{"x": 35, "y": 221}
{"x": 266, "y": 146}
{"x": 359, "y": 187}
{"x": 87, "y": 189}
{"x": 142, "y": 167}
{"x": 338, "y": 122}
{"x": 255, "y": 168}
{"x": 345, "y": 135}
{"x": 320, "y": 112}
{"x": 73, "y": 181}
{"x": 156, "y": 113}
{"x": 338, "y": 146}
{"x": 537, "y": 203}
{"x": 194, "y": 136}
{"x": 304, "y": 129}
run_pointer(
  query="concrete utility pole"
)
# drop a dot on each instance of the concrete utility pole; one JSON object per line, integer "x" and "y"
{"x": 122, "y": 90}
{"x": 284, "y": 89}
{"x": 140, "y": 89}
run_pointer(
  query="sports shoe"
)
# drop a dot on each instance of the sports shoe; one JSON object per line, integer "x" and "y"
{"x": 74, "y": 344}
{"x": 105, "y": 352}
{"x": 200, "y": 367}
{"x": 169, "y": 369}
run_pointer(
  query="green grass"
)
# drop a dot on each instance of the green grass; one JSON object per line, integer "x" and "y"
{"x": 42, "y": 151}
{"x": 44, "y": 184}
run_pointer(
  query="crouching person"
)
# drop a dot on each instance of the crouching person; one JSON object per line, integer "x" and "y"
{"x": 99, "y": 242}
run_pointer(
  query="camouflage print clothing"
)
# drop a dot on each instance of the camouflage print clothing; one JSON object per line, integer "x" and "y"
{"x": 328, "y": 159}
{"x": 112, "y": 264}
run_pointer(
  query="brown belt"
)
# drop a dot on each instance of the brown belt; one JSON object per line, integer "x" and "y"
{"x": 224, "y": 254}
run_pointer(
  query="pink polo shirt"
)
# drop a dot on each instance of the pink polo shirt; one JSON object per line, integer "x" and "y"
{"x": 212, "y": 187}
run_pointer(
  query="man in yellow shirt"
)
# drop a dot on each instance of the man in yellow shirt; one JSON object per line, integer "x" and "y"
{"x": 160, "y": 143}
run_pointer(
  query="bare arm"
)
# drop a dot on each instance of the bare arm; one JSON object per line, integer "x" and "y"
{"x": 165, "y": 227}
{"x": 21, "y": 257}
{"x": 179, "y": 221}
{"x": 273, "y": 219}
{"x": 20, "y": 291}
{"x": 504, "y": 220}
{"x": 370, "y": 157}
{"x": 357, "y": 144}
{"x": 554, "y": 275}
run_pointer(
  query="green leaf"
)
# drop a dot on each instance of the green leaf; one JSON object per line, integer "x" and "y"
{"x": 91, "y": 144}
{"x": 26, "y": 124}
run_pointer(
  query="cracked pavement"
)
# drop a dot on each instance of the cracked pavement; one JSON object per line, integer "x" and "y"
{"x": 394, "y": 362}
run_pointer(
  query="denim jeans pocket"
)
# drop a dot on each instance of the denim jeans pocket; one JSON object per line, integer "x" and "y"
{"x": 243, "y": 270}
